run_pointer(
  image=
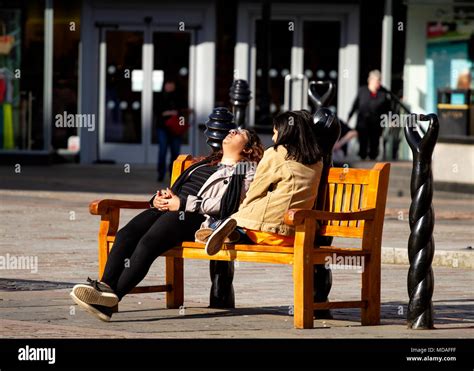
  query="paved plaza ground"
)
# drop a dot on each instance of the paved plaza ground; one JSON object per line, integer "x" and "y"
{"x": 44, "y": 213}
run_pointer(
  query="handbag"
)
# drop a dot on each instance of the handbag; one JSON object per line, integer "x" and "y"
{"x": 176, "y": 126}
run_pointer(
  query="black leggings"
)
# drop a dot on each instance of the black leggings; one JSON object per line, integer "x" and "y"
{"x": 137, "y": 245}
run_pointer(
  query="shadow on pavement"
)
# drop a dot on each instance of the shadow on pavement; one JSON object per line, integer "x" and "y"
{"x": 127, "y": 178}
{"x": 11, "y": 284}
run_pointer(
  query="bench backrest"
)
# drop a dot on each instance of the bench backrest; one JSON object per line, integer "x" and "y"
{"x": 347, "y": 190}
{"x": 353, "y": 190}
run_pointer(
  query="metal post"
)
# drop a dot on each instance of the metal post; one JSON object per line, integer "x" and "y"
{"x": 328, "y": 129}
{"x": 319, "y": 101}
{"x": 218, "y": 126}
{"x": 221, "y": 120}
{"x": 239, "y": 94}
{"x": 421, "y": 245}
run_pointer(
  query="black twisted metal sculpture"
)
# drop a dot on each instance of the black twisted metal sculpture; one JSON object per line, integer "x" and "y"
{"x": 220, "y": 122}
{"x": 319, "y": 101}
{"x": 421, "y": 245}
{"x": 240, "y": 96}
{"x": 327, "y": 129}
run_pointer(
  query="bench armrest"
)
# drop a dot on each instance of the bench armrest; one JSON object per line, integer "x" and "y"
{"x": 101, "y": 207}
{"x": 297, "y": 216}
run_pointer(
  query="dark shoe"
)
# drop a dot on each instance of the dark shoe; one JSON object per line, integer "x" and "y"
{"x": 95, "y": 293}
{"x": 99, "y": 311}
{"x": 203, "y": 234}
{"x": 217, "y": 238}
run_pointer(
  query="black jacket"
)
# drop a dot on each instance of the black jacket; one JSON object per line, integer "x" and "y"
{"x": 231, "y": 200}
{"x": 370, "y": 108}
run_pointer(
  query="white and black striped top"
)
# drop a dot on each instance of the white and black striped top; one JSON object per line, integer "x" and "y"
{"x": 196, "y": 180}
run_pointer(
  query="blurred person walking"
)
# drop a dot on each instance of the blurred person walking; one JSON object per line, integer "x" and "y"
{"x": 170, "y": 110}
{"x": 371, "y": 102}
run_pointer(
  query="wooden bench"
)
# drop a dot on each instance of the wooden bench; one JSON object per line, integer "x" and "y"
{"x": 356, "y": 207}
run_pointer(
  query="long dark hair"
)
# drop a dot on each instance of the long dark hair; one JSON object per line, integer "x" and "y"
{"x": 296, "y": 135}
{"x": 254, "y": 143}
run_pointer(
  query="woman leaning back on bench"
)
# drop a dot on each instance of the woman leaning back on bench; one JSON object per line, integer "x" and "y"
{"x": 203, "y": 204}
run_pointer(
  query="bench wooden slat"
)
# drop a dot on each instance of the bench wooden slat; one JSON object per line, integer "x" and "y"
{"x": 179, "y": 165}
{"x": 341, "y": 175}
{"x": 355, "y": 202}
{"x": 231, "y": 255}
{"x": 148, "y": 289}
{"x": 197, "y": 245}
{"x": 331, "y": 194}
{"x": 100, "y": 207}
{"x": 363, "y": 203}
{"x": 338, "y": 203}
{"x": 256, "y": 248}
{"x": 345, "y": 232}
{"x": 346, "y": 205}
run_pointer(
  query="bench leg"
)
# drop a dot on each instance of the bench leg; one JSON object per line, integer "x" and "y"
{"x": 303, "y": 292}
{"x": 322, "y": 281}
{"x": 303, "y": 269}
{"x": 371, "y": 291}
{"x": 175, "y": 278}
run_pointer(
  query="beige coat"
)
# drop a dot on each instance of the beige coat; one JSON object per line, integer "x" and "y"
{"x": 279, "y": 185}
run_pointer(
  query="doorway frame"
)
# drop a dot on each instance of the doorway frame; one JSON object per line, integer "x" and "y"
{"x": 245, "y": 55}
{"x": 197, "y": 16}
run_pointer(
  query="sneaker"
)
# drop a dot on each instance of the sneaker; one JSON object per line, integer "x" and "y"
{"x": 217, "y": 238}
{"x": 100, "y": 311}
{"x": 96, "y": 293}
{"x": 203, "y": 234}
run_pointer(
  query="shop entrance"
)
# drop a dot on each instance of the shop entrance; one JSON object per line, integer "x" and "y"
{"x": 135, "y": 63}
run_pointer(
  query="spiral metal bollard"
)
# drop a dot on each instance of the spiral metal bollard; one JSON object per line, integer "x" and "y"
{"x": 240, "y": 96}
{"x": 221, "y": 120}
{"x": 421, "y": 245}
{"x": 222, "y": 272}
{"x": 328, "y": 129}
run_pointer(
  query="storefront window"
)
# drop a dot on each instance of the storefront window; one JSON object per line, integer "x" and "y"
{"x": 21, "y": 75}
{"x": 449, "y": 76}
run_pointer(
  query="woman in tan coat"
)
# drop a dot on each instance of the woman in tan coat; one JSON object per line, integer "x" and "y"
{"x": 287, "y": 177}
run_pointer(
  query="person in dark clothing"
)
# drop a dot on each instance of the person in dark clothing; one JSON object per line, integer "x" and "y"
{"x": 371, "y": 102}
{"x": 168, "y": 105}
{"x": 212, "y": 187}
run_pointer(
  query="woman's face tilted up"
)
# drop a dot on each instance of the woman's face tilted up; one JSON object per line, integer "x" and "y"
{"x": 235, "y": 142}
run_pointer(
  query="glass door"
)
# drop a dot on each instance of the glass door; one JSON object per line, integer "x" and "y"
{"x": 287, "y": 54}
{"x": 121, "y": 124}
{"x": 171, "y": 90}
{"x": 273, "y": 42}
{"x": 321, "y": 43}
{"x": 137, "y": 67}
